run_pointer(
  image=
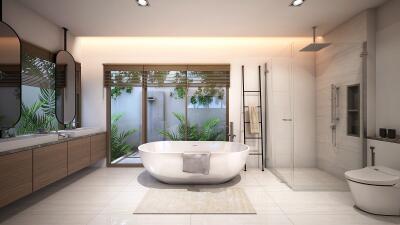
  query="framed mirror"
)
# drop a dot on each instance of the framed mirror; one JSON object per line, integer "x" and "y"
{"x": 10, "y": 77}
{"x": 65, "y": 87}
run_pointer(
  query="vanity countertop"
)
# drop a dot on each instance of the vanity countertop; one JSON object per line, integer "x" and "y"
{"x": 395, "y": 140}
{"x": 34, "y": 146}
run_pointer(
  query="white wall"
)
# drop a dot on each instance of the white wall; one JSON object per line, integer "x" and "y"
{"x": 251, "y": 52}
{"x": 32, "y": 27}
{"x": 388, "y": 66}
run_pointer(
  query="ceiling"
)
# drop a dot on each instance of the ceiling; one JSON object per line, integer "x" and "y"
{"x": 210, "y": 18}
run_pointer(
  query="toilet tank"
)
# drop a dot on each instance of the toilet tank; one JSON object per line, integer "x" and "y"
{"x": 386, "y": 154}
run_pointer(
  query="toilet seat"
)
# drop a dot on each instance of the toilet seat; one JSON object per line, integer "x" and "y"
{"x": 377, "y": 175}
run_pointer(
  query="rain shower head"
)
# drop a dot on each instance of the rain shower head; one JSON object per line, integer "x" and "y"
{"x": 315, "y": 47}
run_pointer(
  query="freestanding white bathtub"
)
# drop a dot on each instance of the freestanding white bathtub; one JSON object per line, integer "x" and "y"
{"x": 163, "y": 160}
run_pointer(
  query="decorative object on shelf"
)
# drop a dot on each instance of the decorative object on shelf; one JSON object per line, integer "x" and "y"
{"x": 383, "y": 132}
{"x": 391, "y": 133}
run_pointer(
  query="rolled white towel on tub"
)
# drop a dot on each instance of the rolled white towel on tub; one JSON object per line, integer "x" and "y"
{"x": 196, "y": 162}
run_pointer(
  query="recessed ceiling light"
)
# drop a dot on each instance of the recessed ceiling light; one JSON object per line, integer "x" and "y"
{"x": 297, "y": 2}
{"x": 143, "y": 2}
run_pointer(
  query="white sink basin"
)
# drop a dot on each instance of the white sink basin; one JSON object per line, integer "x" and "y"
{"x": 80, "y": 131}
{"x": 26, "y": 141}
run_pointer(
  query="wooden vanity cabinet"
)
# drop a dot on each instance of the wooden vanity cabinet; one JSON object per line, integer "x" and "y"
{"x": 98, "y": 147}
{"x": 26, "y": 171}
{"x": 78, "y": 154}
{"x": 49, "y": 164}
{"x": 15, "y": 176}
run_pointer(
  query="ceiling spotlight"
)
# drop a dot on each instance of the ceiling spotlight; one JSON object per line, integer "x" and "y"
{"x": 143, "y": 2}
{"x": 297, "y": 2}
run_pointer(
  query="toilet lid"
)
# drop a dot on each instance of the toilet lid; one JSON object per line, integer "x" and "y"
{"x": 377, "y": 175}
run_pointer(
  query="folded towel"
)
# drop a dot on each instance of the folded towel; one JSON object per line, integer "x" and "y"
{"x": 196, "y": 162}
{"x": 254, "y": 123}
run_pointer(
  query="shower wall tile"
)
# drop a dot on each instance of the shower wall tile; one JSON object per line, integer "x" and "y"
{"x": 341, "y": 65}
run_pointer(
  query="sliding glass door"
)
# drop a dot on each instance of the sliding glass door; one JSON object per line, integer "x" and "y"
{"x": 148, "y": 103}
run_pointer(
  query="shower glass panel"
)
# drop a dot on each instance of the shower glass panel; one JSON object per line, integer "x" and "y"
{"x": 126, "y": 117}
{"x": 280, "y": 119}
{"x": 321, "y": 156}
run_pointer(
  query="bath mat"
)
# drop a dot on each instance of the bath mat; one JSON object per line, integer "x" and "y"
{"x": 195, "y": 201}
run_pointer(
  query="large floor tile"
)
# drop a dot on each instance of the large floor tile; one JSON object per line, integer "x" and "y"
{"x": 340, "y": 219}
{"x": 141, "y": 220}
{"x": 49, "y": 219}
{"x": 239, "y": 220}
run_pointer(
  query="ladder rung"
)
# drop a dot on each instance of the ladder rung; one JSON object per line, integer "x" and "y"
{"x": 252, "y": 91}
{"x": 249, "y": 122}
{"x": 246, "y": 106}
{"x": 255, "y": 154}
{"x": 252, "y": 137}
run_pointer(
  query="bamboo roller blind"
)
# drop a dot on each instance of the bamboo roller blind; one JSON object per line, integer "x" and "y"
{"x": 166, "y": 75}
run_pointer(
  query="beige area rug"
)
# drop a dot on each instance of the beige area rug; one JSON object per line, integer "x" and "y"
{"x": 195, "y": 201}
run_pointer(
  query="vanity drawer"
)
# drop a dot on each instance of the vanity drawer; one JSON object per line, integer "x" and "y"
{"x": 49, "y": 164}
{"x": 78, "y": 154}
{"x": 98, "y": 147}
{"x": 15, "y": 176}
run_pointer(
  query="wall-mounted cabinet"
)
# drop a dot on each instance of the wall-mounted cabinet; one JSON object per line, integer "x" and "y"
{"x": 15, "y": 176}
{"x": 78, "y": 154}
{"x": 98, "y": 147}
{"x": 353, "y": 110}
{"x": 29, "y": 170}
{"x": 49, "y": 164}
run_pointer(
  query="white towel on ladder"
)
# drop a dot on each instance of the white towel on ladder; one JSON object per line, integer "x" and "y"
{"x": 254, "y": 122}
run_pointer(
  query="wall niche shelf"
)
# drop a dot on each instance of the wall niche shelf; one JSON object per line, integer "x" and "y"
{"x": 353, "y": 110}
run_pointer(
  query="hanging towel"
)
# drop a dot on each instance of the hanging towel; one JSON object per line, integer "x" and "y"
{"x": 196, "y": 162}
{"x": 254, "y": 123}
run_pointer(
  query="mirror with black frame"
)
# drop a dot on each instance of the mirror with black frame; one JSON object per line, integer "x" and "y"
{"x": 65, "y": 87}
{"x": 10, "y": 77}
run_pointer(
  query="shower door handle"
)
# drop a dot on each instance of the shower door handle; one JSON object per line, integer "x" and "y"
{"x": 287, "y": 120}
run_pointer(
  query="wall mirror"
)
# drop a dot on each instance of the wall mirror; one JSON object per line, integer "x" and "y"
{"x": 65, "y": 87}
{"x": 10, "y": 77}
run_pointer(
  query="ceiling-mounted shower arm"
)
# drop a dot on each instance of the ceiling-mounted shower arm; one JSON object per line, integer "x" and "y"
{"x": 1, "y": 10}
{"x": 65, "y": 37}
{"x": 314, "y": 34}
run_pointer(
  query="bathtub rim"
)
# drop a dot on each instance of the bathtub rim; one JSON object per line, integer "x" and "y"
{"x": 140, "y": 148}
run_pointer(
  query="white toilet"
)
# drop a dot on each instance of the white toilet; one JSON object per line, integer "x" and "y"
{"x": 376, "y": 189}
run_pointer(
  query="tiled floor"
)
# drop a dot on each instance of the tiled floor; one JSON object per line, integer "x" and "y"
{"x": 311, "y": 179}
{"x": 108, "y": 196}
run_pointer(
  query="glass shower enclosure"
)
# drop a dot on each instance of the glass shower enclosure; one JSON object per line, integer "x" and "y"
{"x": 315, "y": 114}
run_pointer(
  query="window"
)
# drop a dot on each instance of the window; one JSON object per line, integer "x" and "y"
{"x": 38, "y": 96}
{"x": 164, "y": 102}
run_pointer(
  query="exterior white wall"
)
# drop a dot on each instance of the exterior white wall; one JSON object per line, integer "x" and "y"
{"x": 93, "y": 52}
{"x": 341, "y": 65}
{"x": 388, "y": 66}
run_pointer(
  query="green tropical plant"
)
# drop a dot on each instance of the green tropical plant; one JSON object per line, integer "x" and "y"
{"x": 119, "y": 145}
{"x": 48, "y": 99}
{"x": 40, "y": 115}
{"x": 208, "y": 131}
{"x": 32, "y": 120}
{"x": 117, "y": 91}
